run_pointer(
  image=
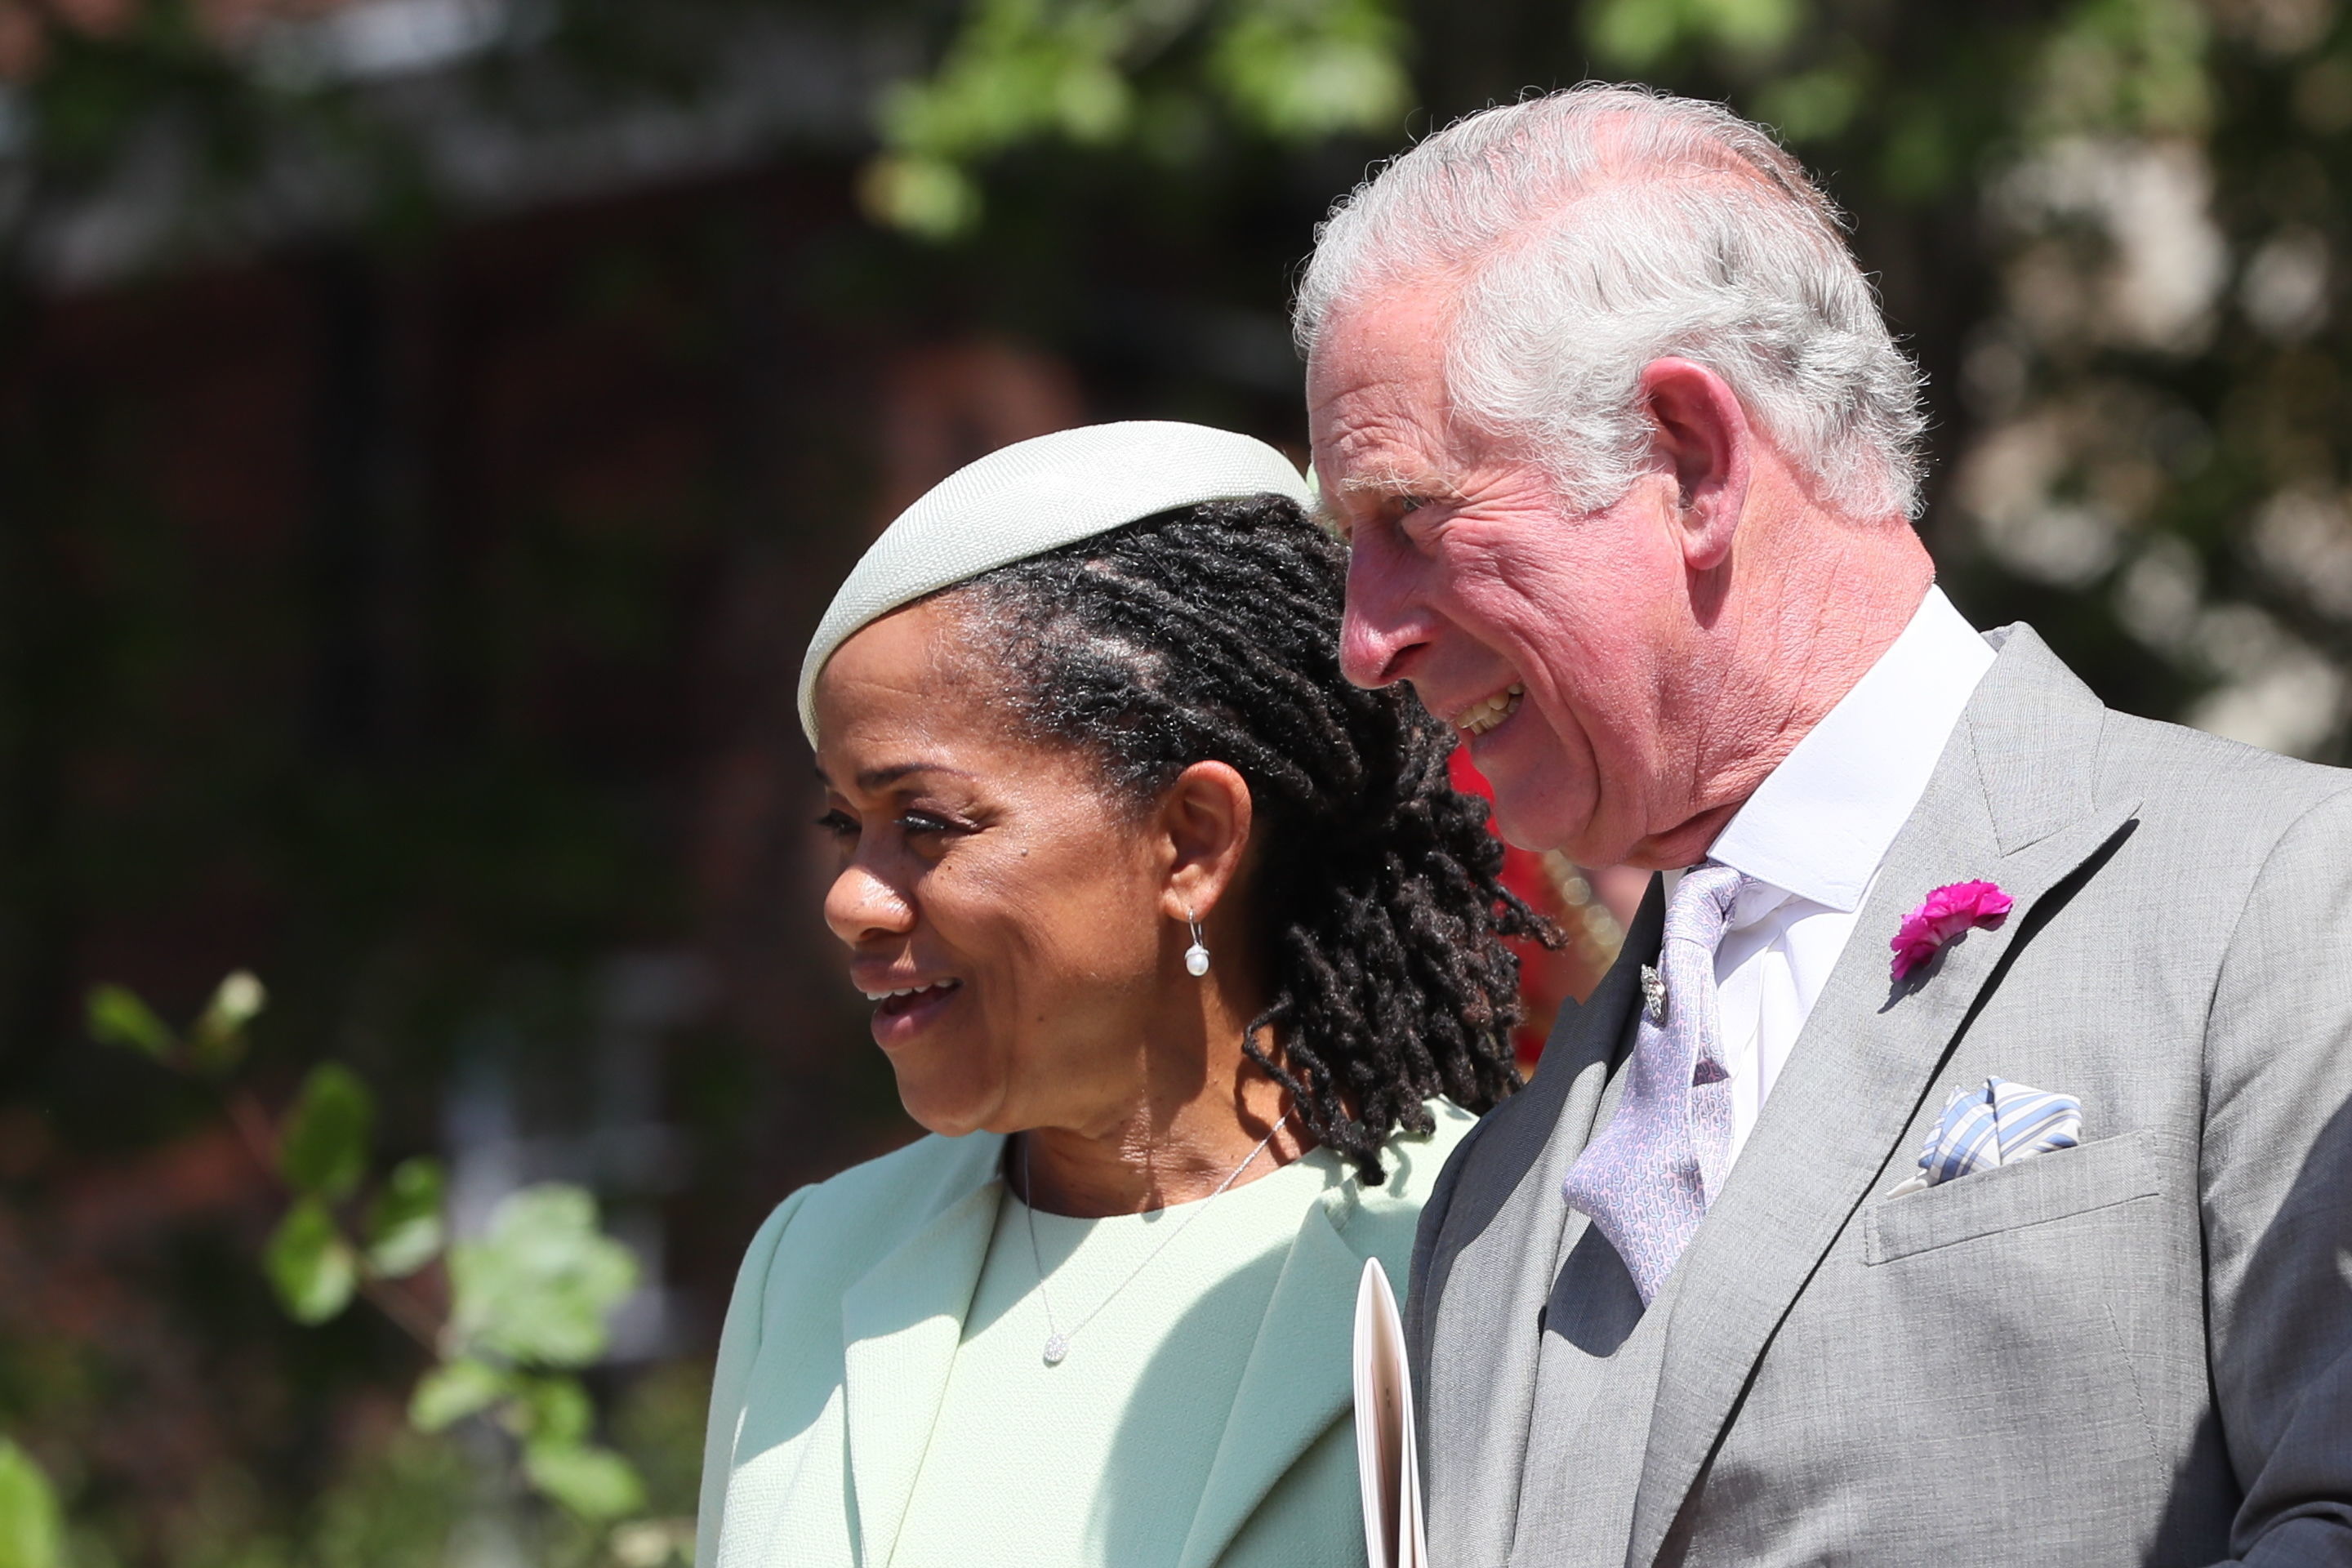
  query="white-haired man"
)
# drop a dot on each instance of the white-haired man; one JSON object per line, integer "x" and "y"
{"x": 1627, "y": 458}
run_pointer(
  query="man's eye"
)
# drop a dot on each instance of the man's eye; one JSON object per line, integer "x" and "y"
{"x": 1407, "y": 505}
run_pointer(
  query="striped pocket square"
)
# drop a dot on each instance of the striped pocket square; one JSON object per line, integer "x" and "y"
{"x": 1999, "y": 1124}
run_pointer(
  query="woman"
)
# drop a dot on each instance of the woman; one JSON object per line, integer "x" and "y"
{"x": 1190, "y": 959}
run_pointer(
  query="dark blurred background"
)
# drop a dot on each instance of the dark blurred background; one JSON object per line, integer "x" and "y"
{"x": 429, "y": 430}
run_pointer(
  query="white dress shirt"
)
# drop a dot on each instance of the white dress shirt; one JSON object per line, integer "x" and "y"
{"x": 1813, "y": 834}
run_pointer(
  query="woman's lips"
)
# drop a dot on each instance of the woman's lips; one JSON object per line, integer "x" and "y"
{"x": 901, "y": 1013}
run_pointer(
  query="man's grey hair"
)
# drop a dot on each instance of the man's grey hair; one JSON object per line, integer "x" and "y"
{"x": 1587, "y": 233}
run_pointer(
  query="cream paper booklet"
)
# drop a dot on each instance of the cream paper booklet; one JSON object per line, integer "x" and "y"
{"x": 1387, "y": 1459}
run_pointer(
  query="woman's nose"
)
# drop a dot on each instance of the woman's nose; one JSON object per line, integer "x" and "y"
{"x": 860, "y": 905}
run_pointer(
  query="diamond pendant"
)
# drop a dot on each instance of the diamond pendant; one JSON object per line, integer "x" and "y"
{"x": 1056, "y": 1347}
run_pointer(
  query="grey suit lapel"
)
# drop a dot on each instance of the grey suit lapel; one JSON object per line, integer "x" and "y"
{"x": 1471, "y": 1318}
{"x": 2010, "y": 801}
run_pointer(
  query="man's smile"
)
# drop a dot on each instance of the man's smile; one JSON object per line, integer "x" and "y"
{"x": 1490, "y": 711}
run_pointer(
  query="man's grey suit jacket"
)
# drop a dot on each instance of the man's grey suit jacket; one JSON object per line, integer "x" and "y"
{"x": 2136, "y": 1351}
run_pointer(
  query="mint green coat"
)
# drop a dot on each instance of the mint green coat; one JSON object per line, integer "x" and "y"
{"x": 844, "y": 1325}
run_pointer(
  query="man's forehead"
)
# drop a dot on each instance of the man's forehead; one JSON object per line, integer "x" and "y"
{"x": 1378, "y": 372}
{"x": 1354, "y": 386}
{"x": 1382, "y": 440}
{"x": 1379, "y": 437}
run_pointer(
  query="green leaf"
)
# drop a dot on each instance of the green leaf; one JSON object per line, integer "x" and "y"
{"x": 1812, "y": 106}
{"x": 594, "y": 1483}
{"x": 455, "y": 1390}
{"x": 927, "y": 198}
{"x": 550, "y": 1410}
{"x": 1091, "y": 100}
{"x": 310, "y": 1264}
{"x": 1752, "y": 27}
{"x": 1636, "y": 34}
{"x": 404, "y": 1230}
{"x": 30, "y": 1522}
{"x": 216, "y": 1043}
{"x": 322, "y": 1148}
{"x": 117, "y": 1017}
{"x": 539, "y": 1287}
{"x": 1305, "y": 70}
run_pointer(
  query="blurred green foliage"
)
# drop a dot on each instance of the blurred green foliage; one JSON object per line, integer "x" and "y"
{"x": 1140, "y": 75}
{"x": 530, "y": 1300}
{"x": 322, "y": 1148}
{"x": 414, "y": 1500}
{"x": 311, "y": 1265}
{"x": 30, "y": 1528}
{"x": 538, "y": 1286}
{"x": 404, "y": 1228}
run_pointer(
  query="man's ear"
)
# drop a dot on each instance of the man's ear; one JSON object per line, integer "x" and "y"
{"x": 1703, "y": 437}
{"x": 1205, "y": 816}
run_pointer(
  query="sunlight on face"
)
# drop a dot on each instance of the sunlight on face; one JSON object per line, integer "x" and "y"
{"x": 1537, "y": 634}
{"x": 1001, "y": 907}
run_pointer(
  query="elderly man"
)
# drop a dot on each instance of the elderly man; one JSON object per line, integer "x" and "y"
{"x": 1627, "y": 458}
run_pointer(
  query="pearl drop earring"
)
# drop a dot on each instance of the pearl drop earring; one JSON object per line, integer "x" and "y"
{"x": 1196, "y": 957}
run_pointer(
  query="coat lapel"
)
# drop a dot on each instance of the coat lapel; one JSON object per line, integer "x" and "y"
{"x": 2010, "y": 801}
{"x": 900, "y": 1324}
{"x": 1495, "y": 1258}
{"x": 1300, "y": 1379}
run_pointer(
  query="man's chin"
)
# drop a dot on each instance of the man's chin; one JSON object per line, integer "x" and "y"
{"x": 1679, "y": 847}
{"x": 1539, "y": 785}
{"x": 1540, "y": 824}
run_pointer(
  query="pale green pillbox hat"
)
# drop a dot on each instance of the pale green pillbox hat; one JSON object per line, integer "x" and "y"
{"x": 1035, "y": 495}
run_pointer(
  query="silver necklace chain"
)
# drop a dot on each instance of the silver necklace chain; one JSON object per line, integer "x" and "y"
{"x": 1057, "y": 1343}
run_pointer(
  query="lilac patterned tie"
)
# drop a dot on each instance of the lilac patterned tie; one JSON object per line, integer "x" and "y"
{"x": 1649, "y": 1177}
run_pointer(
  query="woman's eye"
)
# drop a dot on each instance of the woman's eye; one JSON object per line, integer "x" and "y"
{"x": 838, "y": 825}
{"x": 924, "y": 821}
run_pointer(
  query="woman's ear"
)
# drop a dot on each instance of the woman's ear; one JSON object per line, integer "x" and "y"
{"x": 1205, "y": 816}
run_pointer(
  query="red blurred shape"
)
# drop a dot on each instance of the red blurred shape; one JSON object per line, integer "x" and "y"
{"x": 1559, "y": 888}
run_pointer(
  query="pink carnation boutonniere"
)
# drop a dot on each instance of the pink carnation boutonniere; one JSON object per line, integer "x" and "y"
{"x": 1948, "y": 912}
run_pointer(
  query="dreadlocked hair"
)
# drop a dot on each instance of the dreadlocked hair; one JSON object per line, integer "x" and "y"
{"x": 1211, "y": 633}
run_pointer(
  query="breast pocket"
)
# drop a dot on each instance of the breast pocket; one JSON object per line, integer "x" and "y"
{"x": 2053, "y": 1187}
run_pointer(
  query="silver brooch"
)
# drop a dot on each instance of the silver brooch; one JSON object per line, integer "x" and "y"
{"x": 1654, "y": 997}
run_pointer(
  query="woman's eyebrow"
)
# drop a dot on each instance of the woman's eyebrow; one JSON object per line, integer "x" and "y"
{"x": 883, "y": 778}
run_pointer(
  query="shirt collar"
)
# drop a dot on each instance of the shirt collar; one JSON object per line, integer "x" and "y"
{"x": 1820, "y": 822}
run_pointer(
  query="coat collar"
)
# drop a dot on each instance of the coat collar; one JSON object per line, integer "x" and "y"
{"x": 900, "y": 1324}
{"x": 903, "y": 1319}
{"x": 2013, "y": 800}
{"x": 1301, "y": 1378}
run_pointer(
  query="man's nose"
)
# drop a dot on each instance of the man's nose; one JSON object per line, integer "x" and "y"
{"x": 1378, "y": 632}
{"x": 860, "y": 905}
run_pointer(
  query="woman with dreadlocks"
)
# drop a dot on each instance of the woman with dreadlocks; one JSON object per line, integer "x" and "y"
{"x": 1191, "y": 961}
